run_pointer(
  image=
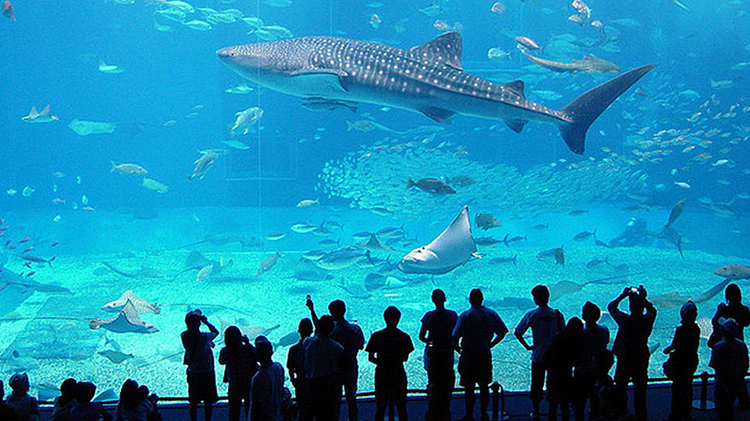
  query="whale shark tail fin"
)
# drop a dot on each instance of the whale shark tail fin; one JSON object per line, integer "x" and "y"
{"x": 587, "y": 107}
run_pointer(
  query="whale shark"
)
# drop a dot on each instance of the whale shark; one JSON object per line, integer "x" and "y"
{"x": 451, "y": 249}
{"x": 428, "y": 78}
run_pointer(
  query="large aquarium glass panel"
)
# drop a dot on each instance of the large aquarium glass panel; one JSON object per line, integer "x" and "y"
{"x": 153, "y": 164}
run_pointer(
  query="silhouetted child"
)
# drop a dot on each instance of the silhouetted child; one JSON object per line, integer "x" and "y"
{"x": 65, "y": 401}
{"x": 565, "y": 348}
{"x": 199, "y": 359}
{"x": 26, "y": 406}
{"x": 268, "y": 384}
{"x": 437, "y": 333}
{"x": 136, "y": 403}
{"x": 544, "y": 323}
{"x": 603, "y": 362}
{"x": 595, "y": 339}
{"x": 84, "y": 409}
{"x": 7, "y": 412}
{"x": 614, "y": 404}
{"x": 389, "y": 349}
{"x": 683, "y": 361}
{"x": 732, "y": 309}
{"x": 293, "y": 361}
{"x": 729, "y": 359}
{"x": 631, "y": 344}
{"x": 238, "y": 355}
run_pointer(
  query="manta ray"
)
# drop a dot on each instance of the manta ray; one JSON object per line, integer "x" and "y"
{"x": 141, "y": 305}
{"x": 451, "y": 249}
{"x": 429, "y": 79}
{"x": 127, "y": 320}
{"x": 39, "y": 117}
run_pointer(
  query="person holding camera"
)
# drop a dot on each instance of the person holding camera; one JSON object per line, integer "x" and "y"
{"x": 199, "y": 358}
{"x": 631, "y": 344}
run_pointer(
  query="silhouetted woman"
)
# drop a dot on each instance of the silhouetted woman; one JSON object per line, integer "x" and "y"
{"x": 683, "y": 361}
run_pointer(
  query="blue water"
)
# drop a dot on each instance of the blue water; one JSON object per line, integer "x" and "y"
{"x": 50, "y": 55}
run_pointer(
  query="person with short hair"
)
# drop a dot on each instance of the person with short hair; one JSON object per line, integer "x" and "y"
{"x": 84, "y": 409}
{"x": 595, "y": 339}
{"x": 294, "y": 368}
{"x": 477, "y": 331}
{"x": 631, "y": 344}
{"x": 389, "y": 349}
{"x": 683, "y": 358}
{"x": 7, "y": 412}
{"x": 267, "y": 384}
{"x": 238, "y": 355}
{"x": 544, "y": 322}
{"x": 732, "y": 309}
{"x": 350, "y": 336}
{"x": 26, "y": 405}
{"x": 564, "y": 350}
{"x": 136, "y": 402}
{"x": 729, "y": 359}
{"x": 436, "y": 332}
{"x": 199, "y": 359}
{"x": 65, "y": 401}
{"x": 322, "y": 359}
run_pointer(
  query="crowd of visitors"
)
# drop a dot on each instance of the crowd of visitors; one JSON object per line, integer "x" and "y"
{"x": 573, "y": 356}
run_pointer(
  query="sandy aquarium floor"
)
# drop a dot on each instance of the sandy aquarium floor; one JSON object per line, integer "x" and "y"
{"x": 52, "y": 349}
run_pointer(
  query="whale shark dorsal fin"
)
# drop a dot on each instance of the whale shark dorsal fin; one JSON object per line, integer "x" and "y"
{"x": 45, "y": 112}
{"x": 446, "y": 48}
{"x": 516, "y": 87}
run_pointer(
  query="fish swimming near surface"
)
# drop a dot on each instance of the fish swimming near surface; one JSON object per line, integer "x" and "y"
{"x": 127, "y": 320}
{"x": 431, "y": 185}
{"x": 428, "y": 78}
{"x": 141, "y": 305}
{"x": 589, "y": 64}
{"x": 451, "y": 249}
{"x": 676, "y": 212}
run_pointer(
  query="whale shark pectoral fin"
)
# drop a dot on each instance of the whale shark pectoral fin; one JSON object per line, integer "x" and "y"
{"x": 438, "y": 114}
{"x": 337, "y": 80}
{"x": 516, "y": 125}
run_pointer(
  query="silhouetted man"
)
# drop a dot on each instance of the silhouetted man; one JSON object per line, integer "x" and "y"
{"x": 389, "y": 349}
{"x": 544, "y": 323}
{"x": 351, "y": 338}
{"x": 477, "y": 330}
{"x": 294, "y": 367}
{"x": 322, "y": 359}
{"x": 732, "y": 309}
{"x": 436, "y": 332}
{"x": 631, "y": 344}
{"x": 730, "y": 361}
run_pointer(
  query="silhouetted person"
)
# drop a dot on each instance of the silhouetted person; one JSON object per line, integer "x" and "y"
{"x": 683, "y": 356}
{"x": 564, "y": 350}
{"x": 136, "y": 403}
{"x": 238, "y": 355}
{"x": 294, "y": 367}
{"x": 603, "y": 362}
{"x": 437, "y": 332}
{"x": 614, "y": 403}
{"x": 595, "y": 340}
{"x": 631, "y": 344}
{"x": 322, "y": 359}
{"x": 268, "y": 384}
{"x": 7, "y": 412}
{"x": 84, "y": 409}
{"x": 351, "y": 338}
{"x": 477, "y": 330}
{"x": 389, "y": 349}
{"x": 26, "y": 406}
{"x": 66, "y": 400}
{"x": 732, "y": 309}
{"x": 544, "y": 323}
{"x": 729, "y": 359}
{"x": 199, "y": 359}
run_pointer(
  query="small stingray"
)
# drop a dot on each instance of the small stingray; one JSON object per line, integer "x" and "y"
{"x": 85, "y": 128}
{"x": 374, "y": 244}
{"x": 672, "y": 299}
{"x": 562, "y": 288}
{"x": 143, "y": 272}
{"x": 355, "y": 289}
{"x": 140, "y": 304}
{"x": 126, "y": 321}
{"x": 115, "y": 356}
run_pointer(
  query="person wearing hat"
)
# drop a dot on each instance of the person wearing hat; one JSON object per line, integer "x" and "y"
{"x": 7, "y": 412}
{"x": 729, "y": 360}
{"x": 26, "y": 406}
{"x": 436, "y": 332}
{"x": 683, "y": 357}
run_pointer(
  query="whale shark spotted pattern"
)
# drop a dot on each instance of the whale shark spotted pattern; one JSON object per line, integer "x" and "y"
{"x": 428, "y": 78}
